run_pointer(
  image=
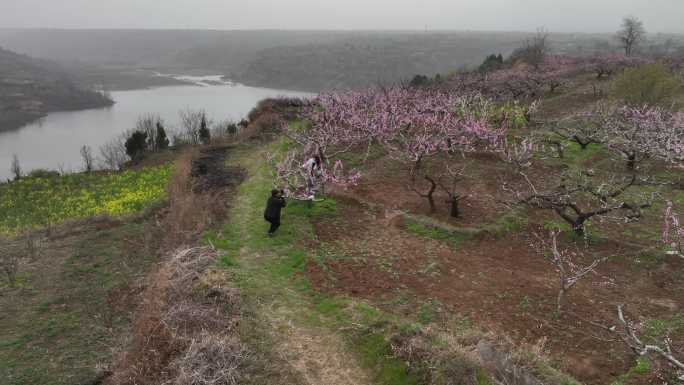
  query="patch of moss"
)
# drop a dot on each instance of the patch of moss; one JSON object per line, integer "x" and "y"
{"x": 436, "y": 233}
{"x": 376, "y": 354}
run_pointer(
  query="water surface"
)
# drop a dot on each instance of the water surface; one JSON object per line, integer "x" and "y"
{"x": 54, "y": 141}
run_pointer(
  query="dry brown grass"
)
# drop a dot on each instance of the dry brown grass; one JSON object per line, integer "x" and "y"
{"x": 209, "y": 360}
{"x": 189, "y": 317}
{"x": 15, "y": 252}
{"x": 184, "y": 333}
{"x": 190, "y": 213}
{"x": 445, "y": 363}
{"x": 182, "y": 319}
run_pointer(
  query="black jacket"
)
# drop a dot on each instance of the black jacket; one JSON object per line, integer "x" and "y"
{"x": 273, "y": 207}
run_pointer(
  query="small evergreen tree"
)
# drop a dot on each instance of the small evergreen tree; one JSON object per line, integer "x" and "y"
{"x": 136, "y": 145}
{"x": 204, "y": 133}
{"x": 161, "y": 140}
{"x": 419, "y": 81}
{"x": 491, "y": 63}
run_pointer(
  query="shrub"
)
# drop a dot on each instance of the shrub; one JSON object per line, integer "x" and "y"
{"x": 113, "y": 153}
{"x": 492, "y": 63}
{"x": 194, "y": 127}
{"x": 533, "y": 51}
{"x": 419, "y": 81}
{"x": 651, "y": 84}
{"x": 136, "y": 145}
{"x": 161, "y": 140}
{"x": 204, "y": 133}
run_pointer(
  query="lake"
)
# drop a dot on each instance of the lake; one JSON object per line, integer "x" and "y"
{"x": 55, "y": 140}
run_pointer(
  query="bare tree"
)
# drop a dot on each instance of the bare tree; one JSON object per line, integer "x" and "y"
{"x": 87, "y": 156}
{"x": 639, "y": 347}
{"x": 113, "y": 153}
{"x": 15, "y": 167}
{"x": 147, "y": 124}
{"x": 565, "y": 262}
{"x": 151, "y": 124}
{"x": 194, "y": 123}
{"x": 534, "y": 50}
{"x": 631, "y": 34}
{"x": 584, "y": 133}
{"x": 578, "y": 197}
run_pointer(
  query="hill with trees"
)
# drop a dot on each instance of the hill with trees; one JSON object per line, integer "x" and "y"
{"x": 302, "y": 60}
{"x": 517, "y": 223}
{"x": 30, "y": 88}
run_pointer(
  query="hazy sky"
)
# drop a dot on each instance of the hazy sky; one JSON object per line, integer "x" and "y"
{"x": 506, "y": 15}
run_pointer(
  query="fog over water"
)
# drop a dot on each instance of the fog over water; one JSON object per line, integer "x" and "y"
{"x": 493, "y": 15}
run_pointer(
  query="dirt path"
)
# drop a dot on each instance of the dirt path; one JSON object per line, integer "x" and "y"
{"x": 315, "y": 352}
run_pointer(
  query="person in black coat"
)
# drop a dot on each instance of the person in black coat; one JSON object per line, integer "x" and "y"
{"x": 272, "y": 213}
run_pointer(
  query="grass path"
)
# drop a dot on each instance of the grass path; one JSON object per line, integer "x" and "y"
{"x": 283, "y": 324}
{"x": 302, "y": 336}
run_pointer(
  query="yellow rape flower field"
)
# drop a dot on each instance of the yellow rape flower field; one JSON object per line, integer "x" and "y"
{"x": 34, "y": 202}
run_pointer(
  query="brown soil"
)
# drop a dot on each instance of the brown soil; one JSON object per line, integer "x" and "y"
{"x": 209, "y": 170}
{"x": 501, "y": 284}
{"x": 389, "y": 187}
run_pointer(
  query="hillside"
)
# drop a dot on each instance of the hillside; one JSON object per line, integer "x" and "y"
{"x": 166, "y": 274}
{"x": 358, "y": 61}
{"x": 301, "y": 60}
{"x": 31, "y": 88}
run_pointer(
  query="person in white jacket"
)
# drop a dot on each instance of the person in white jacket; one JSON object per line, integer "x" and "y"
{"x": 312, "y": 169}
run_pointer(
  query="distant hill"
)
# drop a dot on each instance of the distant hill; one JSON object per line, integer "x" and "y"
{"x": 360, "y": 61}
{"x": 30, "y": 88}
{"x": 302, "y": 60}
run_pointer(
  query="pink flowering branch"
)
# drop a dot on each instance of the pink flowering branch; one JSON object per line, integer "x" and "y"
{"x": 638, "y": 134}
{"x": 410, "y": 124}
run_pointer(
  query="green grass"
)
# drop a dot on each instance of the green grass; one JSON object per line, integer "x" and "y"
{"x": 272, "y": 277}
{"x": 61, "y": 324}
{"x": 41, "y": 201}
{"x": 436, "y": 233}
{"x": 575, "y": 155}
{"x": 642, "y": 367}
{"x": 656, "y": 329}
{"x": 376, "y": 354}
{"x": 511, "y": 222}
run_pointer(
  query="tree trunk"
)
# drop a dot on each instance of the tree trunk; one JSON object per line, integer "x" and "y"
{"x": 454, "y": 211}
{"x": 430, "y": 194}
{"x": 561, "y": 298}
{"x": 583, "y": 144}
{"x": 431, "y": 200}
{"x": 578, "y": 227}
{"x": 631, "y": 162}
